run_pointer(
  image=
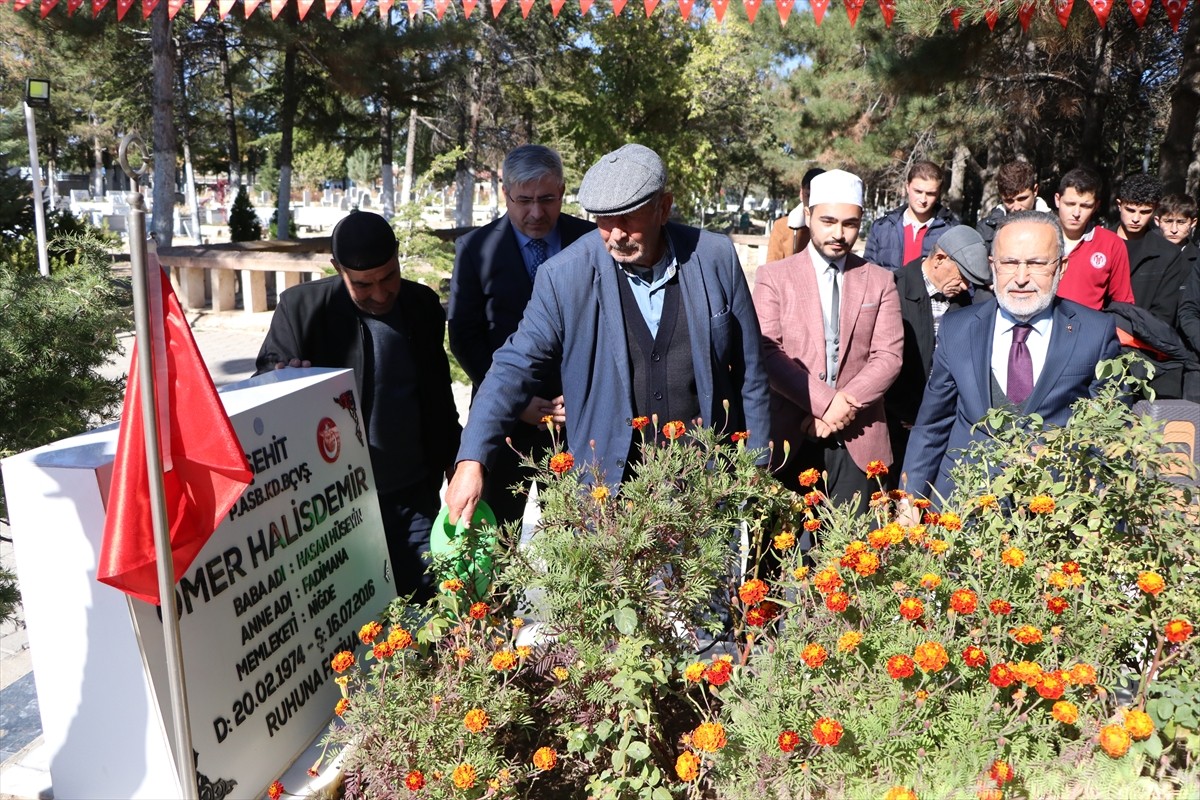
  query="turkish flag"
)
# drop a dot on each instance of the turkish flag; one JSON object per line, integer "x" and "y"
{"x": 205, "y": 470}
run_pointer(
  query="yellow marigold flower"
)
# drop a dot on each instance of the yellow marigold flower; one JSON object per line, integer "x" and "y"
{"x": 544, "y": 758}
{"x": 1026, "y": 634}
{"x": 518, "y": 623}
{"x": 694, "y": 672}
{"x": 800, "y": 573}
{"x": 1028, "y": 672}
{"x": 900, "y": 793}
{"x": 938, "y": 546}
{"x": 931, "y": 656}
{"x": 464, "y": 776}
{"x": 600, "y": 494}
{"x": 785, "y": 541}
{"x": 343, "y": 705}
{"x": 916, "y": 534}
{"x": 453, "y": 585}
{"x": 504, "y": 661}
{"x": 986, "y": 501}
{"x": 562, "y": 673}
{"x": 950, "y": 521}
{"x": 1065, "y": 712}
{"x": 687, "y": 766}
{"x": 1013, "y": 557}
{"x": 848, "y": 641}
{"x": 1114, "y": 740}
{"x": 1139, "y": 724}
{"x": 368, "y": 632}
{"x": 1058, "y": 580}
{"x": 462, "y": 653}
{"x": 922, "y": 695}
{"x": 476, "y": 720}
{"x": 342, "y": 680}
{"x": 894, "y": 532}
{"x": 1042, "y": 504}
{"x": 930, "y": 581}
{"x": 523, "y": 651}
{"x": 709, "y": 737}
{"x": 1151, "y": 583}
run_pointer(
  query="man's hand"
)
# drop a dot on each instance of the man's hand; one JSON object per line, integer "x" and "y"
{"x": 295, "y": 362}
{"x": 464, "y": 491}
{"x": 841, "y": 411}
{"x": 907, "y": 514}
{"x": 539, "y": 408}
{"x": 815, "y": 428}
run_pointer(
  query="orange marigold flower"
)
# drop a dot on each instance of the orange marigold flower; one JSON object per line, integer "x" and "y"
{"x": 524, "y": 650}
{"x": 399, "y": 638}
{"x": 562, "y": 673}
{"x": 931, "y": 518}
{"x": 464, "y": 776}
{"x": 827, "y": 580}
{"x": 1083, "y": 675}
{"x": 1001, "y": 676}
{"x": 275, "y": 790}
{"x": 990, "y": 793}
{"x": 639, "y": 422}
{"x": 911, "y": 608}
{"x": 462, "y": 653}
{"x": 1151, "y": 583}
{"x": 343, "y": 705}
{"x": 868, "y": 564}
{"x": 897, "y": 494}
{"x": 753, "y": 591}
{"x": 950, "y": 521}
{"x": 811, "y": 525}
{"x": 973, "y": 656}
{"x": 1028, "y": 672}
{"x": 694, "y": 672}
{"x": 739, "y": 436}
{"x": 931, "y": 656}
{"x": 964, "y": 601}
{"x": 1139, "y": 724}
{"x": 986, "y": 501}
{"x": 809, "y": 478}
{"x": 900, "y": 793}
{"x": 1000, "y": 607}
{"x": 674, "y": 429}
{"x": 921, "y": 503}
{"x": 342, "y": 661}
{"x": 785, "y": 541}
{"x": 719, "y": 672}
{"x": 761, "y": 614}
{"x": 1071, "y": 568}
{"x": 848, "y": 641}
{"x": 938, "y": 546}
{"x": 900, "y": 666}
{"x": 1057, "y": 605}
{"x": 1042, "y": 504}
{"x": 561, "y": 463}
{"x": 1058, "y": 580}
{"x": 368, "y": 632}
{"x": 813, "y": 497}
{"x": 922, "y": 695}
{"x": 827, "y": 732}
{"x": 813, "y": 655}
{"x": 709, "y": 737}
{"x": 1178, "y": 630}
{"x": 788, "y": 741}
{"x": 1065, "y": 712}
{"x": 384, "y": 649}
{"x": 1013, "y": 557}
{"x": 476, "y": 720}
{"x": 414, "y": 781}
{"x": 518, "y": 623}
{"x": 1026, "y": 634}
{"x": 544, "y": 758}
{"x": 687, "y": 766}
{"x": 1051, "y": 686}
{"x": 600, "y": 493}
{"x": 1114, "y": 740}
{"x": 930, "y": 581}
{"x": 837, "y": 602}
{"x": 478, "y": 610}
{"x": 1001, "y": 772}
{"x": 800, "y": 573}
{"x": 878, "y": 539}
{"x": 876, "y": 468}
{"x": 504, "y": 661}
{"x": 453, "y": 585}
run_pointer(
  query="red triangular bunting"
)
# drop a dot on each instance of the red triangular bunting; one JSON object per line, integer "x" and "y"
{"x": 302, "y": 7}
{"x": 956, "y": 17}
{"x": 1175, "y": 9}
{"x": 818, "y": 8}
{"x": 331, "y": 7}
{"x": 1140, "y": 10}
{"x": 650, "y": 5}
{"x": 123, "y": 7}
{"x": 618, "y": 7}
{"x": 752, "y": 7}
{"x": 888, "y": 7}
{"x": 685, "y": 8}
{"x": 1025, "y": 14}
{"x": 224, "y": 7}
{"x": 852, "y": 9}
{"x": 200, "y": 7}
{"x": 526, "y": 7}
{"x": 97, "y": 7}
{"x": 248, "y": 7}
{"x": 356, "y": 7}
{"x": 148, "y": 7}
{"x": 47, "y": 7}
{"x": 555, "y": 7}
{"x": 73, "y": 6}
{"x": 19, "y": 4}
{"x": 991, "y": 16}
{"x": 440, "y": 7}
{"x": 1102, "y": 8}
{"x": 1062, "y": 9}
{"x": 414, "y": 8}
{"x": 719, "y": 8}
{"x": 174, "y": 7}
{"x": 585, "y": 6}
{"x": 468, "y": 7}
{"x": 497, "y": 7}
{"x": 277, "y": 7}
{"x": 784, "y": 7}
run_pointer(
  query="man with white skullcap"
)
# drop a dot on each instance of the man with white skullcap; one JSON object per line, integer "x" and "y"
{"x": 833, "y": 343}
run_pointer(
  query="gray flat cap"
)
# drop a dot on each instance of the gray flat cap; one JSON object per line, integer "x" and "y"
{"x": 965, "y": 247}
{"x": 622, "y": 181}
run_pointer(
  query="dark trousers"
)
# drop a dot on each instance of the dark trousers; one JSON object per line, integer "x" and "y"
{"x": 408, "y": 516}
{"x": 506, "y": 470}
{"x": 844, "y": 478}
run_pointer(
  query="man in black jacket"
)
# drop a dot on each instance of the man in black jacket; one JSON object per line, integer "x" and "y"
{"x": 389, "y": 331}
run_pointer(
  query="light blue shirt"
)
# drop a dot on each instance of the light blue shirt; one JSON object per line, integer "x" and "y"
{"x": 649, "y": 285}
{"x": 1038, "y": 343}
{"x": 552, "y": 239}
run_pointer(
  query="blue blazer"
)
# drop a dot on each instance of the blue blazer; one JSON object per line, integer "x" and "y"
{"x": 574, "y": 324}
{"x": 959, "y": 392}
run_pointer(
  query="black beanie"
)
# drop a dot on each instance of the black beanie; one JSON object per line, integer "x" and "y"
{"x": 363, "y": 241}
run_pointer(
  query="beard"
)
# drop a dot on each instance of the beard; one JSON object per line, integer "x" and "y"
{"x": 1026, "y": 308}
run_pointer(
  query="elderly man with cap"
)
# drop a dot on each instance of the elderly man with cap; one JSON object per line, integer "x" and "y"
{"x": 832, "y": 342}
{"x": 929, "y": 287}
{"x": 643, "y": 317}
{"x": 390, "y": 332}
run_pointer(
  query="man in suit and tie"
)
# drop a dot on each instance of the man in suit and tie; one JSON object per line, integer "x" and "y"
{"x": 494, "y": 269}
{"x": 832, "y": 342}
{"x": 1027, "y": 348}
{"x": 643, "y": 317}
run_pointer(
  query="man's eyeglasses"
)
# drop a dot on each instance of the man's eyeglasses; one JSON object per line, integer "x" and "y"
{"x": 1035, "y": 266}
{"x": 525, "y": 201}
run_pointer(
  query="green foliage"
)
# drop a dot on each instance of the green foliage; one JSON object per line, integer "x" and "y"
{"x": 10, "y": 596}
{"x": 243, "y": 221}
{"x": 317, "y": 163}
{"x": 363, "y": 167}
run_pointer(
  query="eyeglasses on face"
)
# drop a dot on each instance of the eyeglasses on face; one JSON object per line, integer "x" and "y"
{"x": 1035, "y": 266}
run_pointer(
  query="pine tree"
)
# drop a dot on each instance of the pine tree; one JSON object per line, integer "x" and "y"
{"x": 244, "y": 225}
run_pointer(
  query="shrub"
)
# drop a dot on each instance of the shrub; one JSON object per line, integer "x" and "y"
{"x": 244, "y": 225}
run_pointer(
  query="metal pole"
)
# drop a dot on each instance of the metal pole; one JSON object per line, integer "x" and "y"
{"x": 39, "y": 213}
{"x": 184, "y": 761}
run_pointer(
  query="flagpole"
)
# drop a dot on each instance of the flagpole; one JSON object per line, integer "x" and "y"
{"x": 184, "y": 761}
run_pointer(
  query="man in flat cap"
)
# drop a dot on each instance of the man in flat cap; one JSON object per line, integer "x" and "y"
{"x": 643, "y": 317}
{"x": 929, "y": 287}
{"x": 832, "y": 342}
{"x": 390, "y": 332}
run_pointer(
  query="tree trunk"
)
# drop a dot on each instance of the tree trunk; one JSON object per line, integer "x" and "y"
{"x": 958, "y": 174}
{"x": 287, "y": 120}
{"x": 1091, "y": 140}
{"x": 162, "y": 50}
{"x": 231, "y": 133}
{"x": 1178, "y": 150}
{"x": 464, "y": 177}
{"x": 98, "y": 164}
{"x": 385, "y": 145}
{"x": 410, "y": 157}
{"x": 189, "y": 175}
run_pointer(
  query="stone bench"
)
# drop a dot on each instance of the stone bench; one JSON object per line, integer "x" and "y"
{"x": 290, "y": 261}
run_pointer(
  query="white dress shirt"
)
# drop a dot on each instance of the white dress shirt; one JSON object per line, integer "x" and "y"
{"x": 825, "y": 278}
{"x": 1038, "y": 343}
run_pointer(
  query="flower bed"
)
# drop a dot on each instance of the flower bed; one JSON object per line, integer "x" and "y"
{"x": 1033, "y": 638}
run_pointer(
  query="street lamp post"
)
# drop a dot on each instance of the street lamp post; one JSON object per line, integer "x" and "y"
{"x": 37, "y": 95}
